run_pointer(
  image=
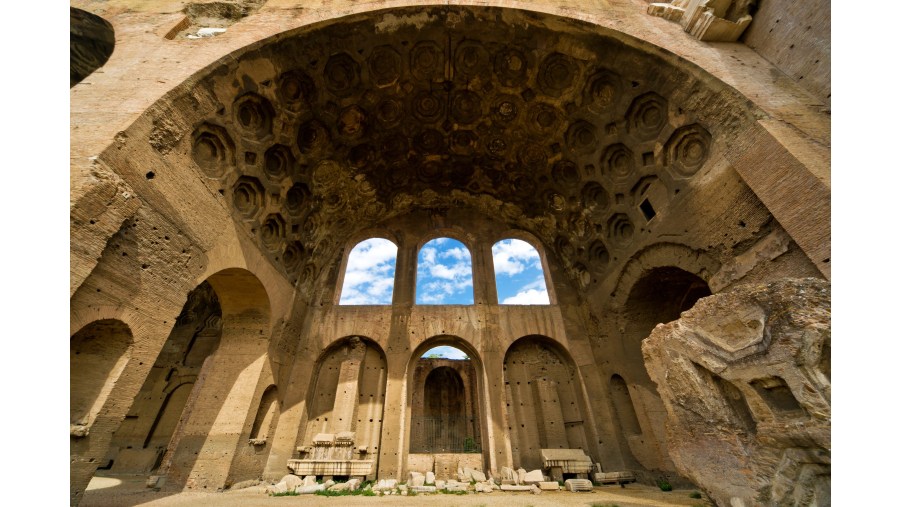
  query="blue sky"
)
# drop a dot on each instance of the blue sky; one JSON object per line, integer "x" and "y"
{"x": 520, "y": 278}
{"x": 446, "y": 352}
{"x": 369, "y": 279}
{"x": 443, "y": 273}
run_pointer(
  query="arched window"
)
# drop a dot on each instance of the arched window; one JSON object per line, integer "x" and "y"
{"x": 444, "y": 274}
{"x": 369, "y": 275}
{"x": 519, "y": 275}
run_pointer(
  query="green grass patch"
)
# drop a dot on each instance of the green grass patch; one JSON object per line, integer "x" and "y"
{"x": 664, "y": 485}
{"x": 445, "y": 492}
{"x": 346, "y": 492}
{"x": 695, "y": 494}
{"x": 286, "y": 493}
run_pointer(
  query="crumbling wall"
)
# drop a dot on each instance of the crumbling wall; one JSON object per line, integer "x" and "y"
{"x": 745, "y": 380}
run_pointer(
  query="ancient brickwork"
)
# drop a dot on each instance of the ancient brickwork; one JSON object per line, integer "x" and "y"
{"x": 648, "y": 170}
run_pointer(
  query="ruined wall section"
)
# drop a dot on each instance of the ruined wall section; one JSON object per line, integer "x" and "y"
{"x": 348, "y": 395}
{"x": 796, "y": 38}
{"x": 145, "y": 434}
{"x": 746, "y": 381}
{"x": 544, "y": 403}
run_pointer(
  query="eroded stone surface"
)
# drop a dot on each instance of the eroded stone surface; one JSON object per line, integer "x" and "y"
{"x": 754, "y": 428}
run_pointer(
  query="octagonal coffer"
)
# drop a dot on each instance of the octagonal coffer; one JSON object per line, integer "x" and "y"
{"x": 253, "y": 114}
{"x": 248, "y": 196}
{"x": 647, "y": 115}
{"x": 272, "y": 230}
{"x": 212, "y": 150}
{"x": 296, "y": 90}
{"x": 278, "y": 163}
{"x": 687, "y": 150}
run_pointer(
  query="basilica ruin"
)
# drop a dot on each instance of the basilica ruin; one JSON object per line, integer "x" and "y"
{"x": 669, "y": 163}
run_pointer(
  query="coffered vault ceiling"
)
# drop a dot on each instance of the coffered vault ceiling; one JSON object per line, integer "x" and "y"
{"x": 551, "y": 126}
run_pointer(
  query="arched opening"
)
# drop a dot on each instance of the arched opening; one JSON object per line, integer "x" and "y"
{"x": 518, "y": 273}
{"x": 98, "y": 353}
{"x": 624, "y": 406}
{"x": 145, "y": 435}
{"x": 205, "y": 449}
{"x": 369, "y": 273}
{"x": 445, "y": 435}
{"x": 444, "y": 273}
{"x": 660, "y": 295}
{"x": 544, "y": 403}
{"x": 444, "y": 404}
{"x": 266, "y": 417}
{"x": 169, "y": 414}
{"x": 91, "y": 42}
{"x": 346, "y": 405}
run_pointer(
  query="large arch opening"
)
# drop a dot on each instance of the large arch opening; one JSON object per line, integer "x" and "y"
{"x": 445, "y": 408}
{"x": 565, "y": 141}
{"x": 147, "y": 432}
{"x": 225, "y": 396}
{"x": 659, "y": 296}
{"x": 445, "y": 404}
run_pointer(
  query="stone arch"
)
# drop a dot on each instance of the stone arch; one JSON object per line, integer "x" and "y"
{"x": 347, "y": 393}
{"x": 163, "y": 401}
{"x": 545, "y": 401}
{"x": 659, "y": 289}
{"x": 98, "y": 353}
{"x": 473, "y": 380}
{"x": 167, "y": 418}
{"x": 91, "y": 42}
{"x": 219, "y": 400}
{"x": 660, "y": 295}
{"x": 660, "y": 255}
{"x": 542, "y": 267}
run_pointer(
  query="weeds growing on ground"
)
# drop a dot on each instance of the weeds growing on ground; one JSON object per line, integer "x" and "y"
{"x": 664, "y": 485}
{"x": 286, "y": 493}
{"x": 445, "y": 492}
{"x": 346, "y": 492}
{"x": 695, "y": 494}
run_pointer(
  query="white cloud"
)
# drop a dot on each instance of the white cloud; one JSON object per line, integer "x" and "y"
{"x": 512, "y": 256}
{"x": 538, "y": 284}
{"x": 460, "y": 254}
{"x": 529, "y": 297}
{"x": 369, "y": 277}
{"x": 444, "y": 270}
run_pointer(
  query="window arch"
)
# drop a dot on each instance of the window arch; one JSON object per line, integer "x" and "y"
{"x": 518, "y": 273}
{"x": 369, "y": 273}
{"x": 444, "y": 273}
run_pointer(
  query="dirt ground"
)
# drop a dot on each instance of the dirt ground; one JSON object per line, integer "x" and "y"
{"x": 125, "y": 491}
